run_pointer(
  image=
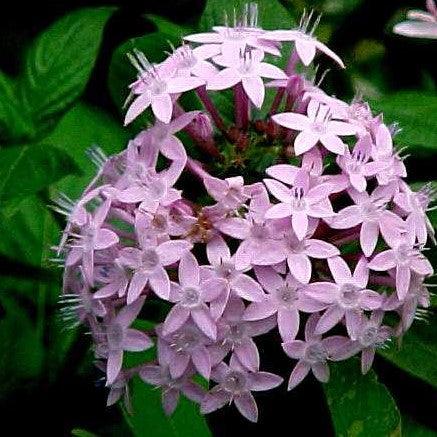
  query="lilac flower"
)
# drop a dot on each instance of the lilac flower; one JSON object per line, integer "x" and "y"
{"x": 155, "y": 87}
{"x": 191, "y": 297}
{"x": 300, "y": 202}
{"x": 114, "y": 279}
{"x": 285, "y": 298}
{"x": 405, "y": 258}
{"x": 229, "y": 193}
{"x": 314, "y": 127}
{"x": 194, "y": 61}
{"x": 148, "y": 264}
{"x": 371, "y": 335}
{"x": 305, "y": 43}
{"x": 347, "y": 297}
{"x": 312, "y": 354}
{"x": 171, "y": 387}
{"x": 248, "y": 69}
{"x": 120, "y": 338}
{"x": 235, "y": 384}
{"x": 182, "y": 347}
{"x": 420, "y": 24}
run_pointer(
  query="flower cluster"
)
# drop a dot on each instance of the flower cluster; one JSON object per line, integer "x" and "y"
{"x": 321, "y": 249}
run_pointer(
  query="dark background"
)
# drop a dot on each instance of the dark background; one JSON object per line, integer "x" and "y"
{"x": 386, "y": 62}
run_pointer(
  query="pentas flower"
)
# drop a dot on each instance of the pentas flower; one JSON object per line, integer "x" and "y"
{"x": 159, "y": 376}
{"x": 312, "y": 354}
{"x": 329, "y": 236}
{"x": 119, "y": 338}
{"x": 155, "y": 87}
{"x": 299, "y": 202}
{"x": 316, "y": 126}
{"x": 285, "y": 298}
{"x": 235, "y": 384}
{"x": 248, "y": 69}
{"x": 191, "y": 297}
{"x": 348, "y": 297}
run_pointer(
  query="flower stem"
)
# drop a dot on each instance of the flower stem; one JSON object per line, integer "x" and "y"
{"x": 241, "y": 107}
{"x": 210, "y": 107}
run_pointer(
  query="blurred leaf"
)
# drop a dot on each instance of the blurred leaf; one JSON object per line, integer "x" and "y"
{"x": 59, "y": 63}
{"x": 77, "y": 432}
{"x": 410, "y": 428}
{"x": 122, "y": 73}
{"x": 417, "y": 353}
{"x": 148, "y": 418}
{"x": 28, "y": 233}
{"x": 15, "y": 123}
{"x": 415, "y": 112}
{"x": 271, "y": 14}
{"x": 21, "y": 352}
{"x": 176, "y": 31}
{"x": 82, "y": 127}
{"x": 360, "y": 405}
{"x": 25, "y": 170}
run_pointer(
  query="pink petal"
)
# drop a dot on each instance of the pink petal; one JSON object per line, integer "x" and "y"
{"x": 176, "y": 318}
{"x": 215, "y": 400}
{"x": 181, "y": 84}
{"x": 341, "y": 128}
{"x": 247, "y": 353}
{"x": 323, "y": 48}
{"x": 212, "y": 288}
{"x": 300, "y": 267}
{"x": 268, "y": 278}
{"x": 403, "y": 277}
{"x": 321, "y": 371}
{"x": 325, "y": 292}
{"x": 202, "y": 361}
{"x": 347, "y": 218}
{"x": 279, "y": 190}
{"x": 170, "y": 399}
{"x": 367, "y": 357}
{"x": 171, "y": 251}
{"x": 270, "y": 71}
{"x": 262, "y": 381}
{"x": 361, "y": 273}
{"x": 333, "y": 143}
{"x": 329, "y": 319}
{"x": 160, "y": 283}
{"x": 279, "y": 210}
{"x": 358, "y": 181}
{"x": 105, "y": 238}
{"x": 340, "y": 270}
{"x": 369, "y": 237}
{"x": 235, "y": 227}
{"x": 299, "y": 221}
{"x": 292, "y": 120}
{"x": 136, "y": 286}
{"x": 217, "y": 250}
{"x": 283, "y": 172}
{"x": 259, "y": 310}
{"x": 113, "y": 366}
{"x": 416, "y": 29}
{"x": 294, "y": 349}
{"x": 224, "y": 79}
{"x": 288, "y": 324}
{"x": 247, "y": 288}
{"x": 203, "y": 319}
{"x": 306, "y": 49}
{"x": 139, "y": 105}
{"x": 136, "y": 341}
{"x": 254, "y": 88}
{"x": 189, "y": 272}
{"x": 320, "y": 249}
{"x": 298, "y": 374}
{"x": 305, "y": 141}
{"x": 206, "y": 37}
{"x": 162, "y": 107}
{"x": 246, "y": 405}
{"x": 383, "y": 261}
{"x": 353, "y": 323}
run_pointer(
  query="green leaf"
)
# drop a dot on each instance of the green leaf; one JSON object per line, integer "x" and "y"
{"x": 82, "y": 127}
{"x": 59, "y": 63}
{"x": 415, "y": 113}
{"x": 168, "y": 28}
{"x": 78, "y": 432}
{"x": 360, "y": 405}
{"x": 271, "y": 14}
{"x": 15, "y": 123}
{"x": 121, "y": 71}
{"x": 417, "y": 353}
{"x": 148, "y": 418}
{"x": 25, "y": 170}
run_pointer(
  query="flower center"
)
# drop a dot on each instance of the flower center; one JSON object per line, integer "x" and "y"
{"x": 349, "y": 296}
{"x": 160, "y": 222}
{"x": 237, "y": 333}
{"x": 369, "y": 336}
{"x": 298, "y": 200}
{"x": 150, "y": 259}
{"x": 190, "y": 297}
{"x": 286, "y": 296}
{"x": 316, "y": 353}
{"x": 157, "y": 189}
{"x": 370, "y": 211}
{"x": 403, "y": 254}
{"x": 319, "y": 127}
{"x": 185, "y": 341}
{"x": 235, "y": 382}
{"x": 226, "y": 270}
